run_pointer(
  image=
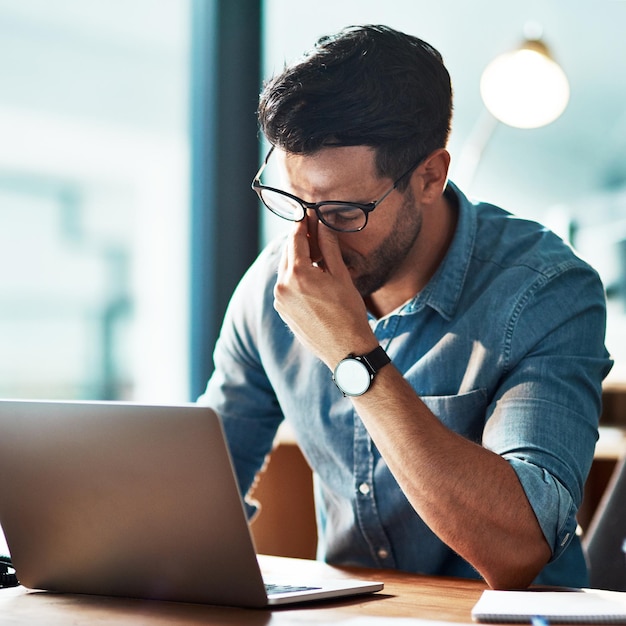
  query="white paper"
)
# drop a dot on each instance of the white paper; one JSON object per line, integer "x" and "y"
{"x": 588, "y": 605}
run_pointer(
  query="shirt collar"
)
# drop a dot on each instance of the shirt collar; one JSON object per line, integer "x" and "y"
{"x": 444, "y": 289}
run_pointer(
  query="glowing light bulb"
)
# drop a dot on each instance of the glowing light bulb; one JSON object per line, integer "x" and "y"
{"x": 525, "y": 88}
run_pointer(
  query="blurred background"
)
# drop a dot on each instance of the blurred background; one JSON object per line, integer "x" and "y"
{"x": 122, "y": 160}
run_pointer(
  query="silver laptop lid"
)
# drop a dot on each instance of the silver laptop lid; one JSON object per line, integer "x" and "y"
{"x": 124, "y": 499}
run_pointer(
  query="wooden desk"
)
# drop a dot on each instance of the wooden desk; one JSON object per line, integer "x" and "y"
{"x": 404, "y": 596}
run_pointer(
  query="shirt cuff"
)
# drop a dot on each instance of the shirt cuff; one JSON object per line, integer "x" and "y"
{"x": 551, "y": 502}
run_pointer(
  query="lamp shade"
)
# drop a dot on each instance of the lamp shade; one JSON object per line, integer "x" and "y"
{"x": 525, "y": 88}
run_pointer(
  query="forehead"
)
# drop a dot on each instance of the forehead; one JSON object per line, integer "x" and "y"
{"x": 344, "y": 172}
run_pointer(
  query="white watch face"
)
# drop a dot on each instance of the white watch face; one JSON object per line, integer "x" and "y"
{"x": 352, "y": 377}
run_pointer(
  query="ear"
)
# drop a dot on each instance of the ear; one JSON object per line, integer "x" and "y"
{"x": 433, "y": 174}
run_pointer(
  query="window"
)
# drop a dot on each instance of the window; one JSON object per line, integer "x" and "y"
{"x": 94, "y": 199}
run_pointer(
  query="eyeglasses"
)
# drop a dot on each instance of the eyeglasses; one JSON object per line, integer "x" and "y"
{"x": 345, "y": 217}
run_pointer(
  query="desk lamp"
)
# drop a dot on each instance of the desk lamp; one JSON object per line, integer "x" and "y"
{"x": 524, "y": 88}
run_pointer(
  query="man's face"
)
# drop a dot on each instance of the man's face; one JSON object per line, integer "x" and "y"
{"x": 378, "y": 254}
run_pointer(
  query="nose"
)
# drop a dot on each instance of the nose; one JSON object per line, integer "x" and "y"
{"x": 310, "y": 215}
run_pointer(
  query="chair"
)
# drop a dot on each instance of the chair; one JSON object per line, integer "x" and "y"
{"x": 604, "y": 539}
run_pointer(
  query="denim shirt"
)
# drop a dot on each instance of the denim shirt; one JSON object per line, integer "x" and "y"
{"x": 505, "y": 345}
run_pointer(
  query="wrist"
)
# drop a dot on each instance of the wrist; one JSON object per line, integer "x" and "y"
{"x": 351, "y": 348}
{"x": 355, "y": 373}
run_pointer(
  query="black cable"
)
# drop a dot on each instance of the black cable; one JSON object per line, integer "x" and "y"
{"x": 7, "y": 578}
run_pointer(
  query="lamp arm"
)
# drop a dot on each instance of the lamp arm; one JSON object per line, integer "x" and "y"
{"x": 473, "y": 149}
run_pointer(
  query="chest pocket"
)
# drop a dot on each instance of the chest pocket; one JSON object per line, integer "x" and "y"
{"x": 465, "y": 414}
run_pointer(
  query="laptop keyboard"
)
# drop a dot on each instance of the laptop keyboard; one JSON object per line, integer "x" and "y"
{"x": 272, "y": 588}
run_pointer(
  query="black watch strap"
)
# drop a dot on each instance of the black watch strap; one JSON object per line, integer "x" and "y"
{"x": 376, "y": 359}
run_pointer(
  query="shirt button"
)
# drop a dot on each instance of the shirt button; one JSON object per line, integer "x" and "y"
{"x": 364, "y": 488}
{"x": 382, "y": 553}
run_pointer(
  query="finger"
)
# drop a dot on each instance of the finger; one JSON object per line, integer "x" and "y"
{"x": 293, "y": 247}
{"x": 314, "y": 249}
{"x": 300, "y": 250}
{"x": 328, "y": 242}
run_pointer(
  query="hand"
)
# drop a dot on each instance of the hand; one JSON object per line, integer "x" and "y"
{"x": 316, "y": 297}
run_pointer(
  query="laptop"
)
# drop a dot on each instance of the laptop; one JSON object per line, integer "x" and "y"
{"x": 130, "y": 500}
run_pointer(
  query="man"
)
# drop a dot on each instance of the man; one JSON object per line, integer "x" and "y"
{"x": 439, "y": 361}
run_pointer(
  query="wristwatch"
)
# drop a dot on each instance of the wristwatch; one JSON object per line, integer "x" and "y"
{"x": 354, "y": 374}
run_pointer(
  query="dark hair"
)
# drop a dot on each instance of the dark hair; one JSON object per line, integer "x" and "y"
{"x": 366, "y": 85}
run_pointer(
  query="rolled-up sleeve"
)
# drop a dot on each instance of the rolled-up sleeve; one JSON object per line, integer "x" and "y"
{"x": 239, "y": 390}
{"x": 544, "y": 419}
{"x": 552, "y": 503}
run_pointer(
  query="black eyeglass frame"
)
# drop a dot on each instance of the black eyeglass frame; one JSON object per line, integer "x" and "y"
{"x": 366, "y": 207}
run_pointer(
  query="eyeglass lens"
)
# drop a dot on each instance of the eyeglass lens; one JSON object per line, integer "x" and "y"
{"x": 284, "y": 206}
{"x": 338, "y": 216}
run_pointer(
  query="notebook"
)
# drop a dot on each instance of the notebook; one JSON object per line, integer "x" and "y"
{"x": 130, "y": 500}
{"x": 567, "y": 606}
